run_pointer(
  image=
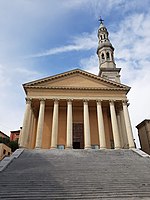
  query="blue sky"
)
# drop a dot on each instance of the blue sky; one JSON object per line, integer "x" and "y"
{"x": 41, "y": 38}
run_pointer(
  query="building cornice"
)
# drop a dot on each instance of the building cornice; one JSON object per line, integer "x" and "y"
{"x": 78, "y": 88}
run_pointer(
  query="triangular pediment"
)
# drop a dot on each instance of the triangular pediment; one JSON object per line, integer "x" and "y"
{"x": 75, "y": 79}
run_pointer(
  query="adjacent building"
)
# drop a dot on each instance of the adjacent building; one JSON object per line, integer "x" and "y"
{"x": 77, "y": 109}
{"x": 3, "y": 135}
{"x": 144, "y": 135}
{"x": 14, "y": 135}
{"x": 4, "y": 149}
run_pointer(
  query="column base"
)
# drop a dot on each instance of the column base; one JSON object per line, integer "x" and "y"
{"x": 53, "y": 148}
{"x": 67, "y": 148}
{"x": 132, "y": 148}
{"x": 88, "y": 147}
{"x": 102, "y": 148}
{"x": 117, "y": 148}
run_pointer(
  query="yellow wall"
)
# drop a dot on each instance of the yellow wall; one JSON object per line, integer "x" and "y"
{"x": 4, "y": 151}
{"x": 62, "y": 126}
{"x": 47, "y": 129}
{"x": 94, "y": 126}
{"x": 108, "y": 128}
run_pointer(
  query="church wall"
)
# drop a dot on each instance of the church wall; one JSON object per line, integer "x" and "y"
{"x": 77, "y": 114}
{"x": 62, "y": 125}
{"x": 33, "y": 138}
{"x": 107, "y": 127}
{"x": 93, "y": 126}
{"x": 47, "y": 129}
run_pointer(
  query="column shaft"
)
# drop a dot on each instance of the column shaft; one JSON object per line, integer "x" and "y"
{"x": 123, "y": 130}
{"x": 128, "y": 125}
{"x": 120, "y": 129}
{"x": 69, "y": 124}
{"x": 87, "y": 139}
{"x": 102, "y": 139}
{"x": 28, "y": 133}
{"x": 31, "y": 130}
{"x": 25, "y": 128}
{"x": 114, "y": 126}
{"x": 40, "y": 124}
{"x": 55, "y": 126}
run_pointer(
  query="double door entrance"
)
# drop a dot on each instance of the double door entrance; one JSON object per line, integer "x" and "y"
{"x": 78, "y": 136}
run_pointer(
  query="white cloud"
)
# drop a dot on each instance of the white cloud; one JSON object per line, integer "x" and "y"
{"x": 83, "y": 42}
{"x": 90, "y": 64}
{"x": 12, "y": 95}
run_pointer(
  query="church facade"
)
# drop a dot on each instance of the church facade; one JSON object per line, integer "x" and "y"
{"x": 77, "y": 109}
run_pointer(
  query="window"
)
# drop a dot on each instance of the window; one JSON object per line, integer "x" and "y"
{"x": 4, "y": 151}
{"x": 107, "y": 56}
{"x": 103, "y": 57}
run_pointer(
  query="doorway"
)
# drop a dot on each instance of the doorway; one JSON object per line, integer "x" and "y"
{"x": 78, "y": 136}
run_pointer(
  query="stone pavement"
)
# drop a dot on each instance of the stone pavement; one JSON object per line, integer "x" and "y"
{"x": 76, "y": 174}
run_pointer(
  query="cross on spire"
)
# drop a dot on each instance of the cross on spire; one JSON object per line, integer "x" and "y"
{"x": 100, "y": 20}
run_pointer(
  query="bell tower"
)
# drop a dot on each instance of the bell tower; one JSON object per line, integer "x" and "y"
{"x": 105, "y": 52}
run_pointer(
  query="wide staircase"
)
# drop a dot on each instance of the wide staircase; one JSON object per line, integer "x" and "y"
{"x": 76, "y": 174}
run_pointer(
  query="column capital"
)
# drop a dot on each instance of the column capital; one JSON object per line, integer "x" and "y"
{"x": 85, "y": 101}
{"x": 99, "y": 101}
{"x": 125, "y": 102}
{"x": 112, "y": 101}
{"x": 28, "y": 100}
{"x": 56, "y": 100}
{"x": 42, "y": 100}
{"x": 69, "y": 100}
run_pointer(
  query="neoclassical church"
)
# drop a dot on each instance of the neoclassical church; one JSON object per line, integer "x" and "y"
{"x": 77, "y": 109}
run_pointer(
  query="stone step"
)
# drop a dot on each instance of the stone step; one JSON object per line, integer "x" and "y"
{"x": 76, "y": 174}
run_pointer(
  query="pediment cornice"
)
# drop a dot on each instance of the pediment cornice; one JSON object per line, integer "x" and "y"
{"x": 76, "y": 71}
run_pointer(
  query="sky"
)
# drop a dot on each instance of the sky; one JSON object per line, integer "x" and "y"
{"x": 42, "y": 38}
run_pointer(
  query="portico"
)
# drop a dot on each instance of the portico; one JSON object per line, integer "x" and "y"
{"x": 54, "y": 118}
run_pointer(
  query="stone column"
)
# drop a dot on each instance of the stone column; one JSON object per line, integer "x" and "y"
{"x": 114, "y": 126}
{"x": 31, "y": 130}
{"x": 69, "y": 125}
{"x": 87, "y": 139}
{"x": 55, "y": 126}
{"x": 128, "y": 125}
{"x": 26, "y": 124}
{"x": 102, "y": 139}
{"x": 120, "y": 129}
{"x": 123, "y": 130}
{"x": 40, "y": 124}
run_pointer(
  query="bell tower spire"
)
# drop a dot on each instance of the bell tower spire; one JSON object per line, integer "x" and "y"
{"x": 105, "y": 52}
